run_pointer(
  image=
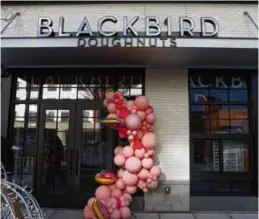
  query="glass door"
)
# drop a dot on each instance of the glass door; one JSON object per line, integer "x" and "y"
{"x": 94, "y": 149}
{"x": 55, "y": 153}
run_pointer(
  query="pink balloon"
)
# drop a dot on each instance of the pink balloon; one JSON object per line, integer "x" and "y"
{"x": 120, "y": 172}
{"x": 127, "y": 151}
{"x": 118, "y": 150}
{"x": 141, "y": 102}
{"x": 149, "y": 140}
{"x": 109, "y": 96}
{"x": 125, "y": 212}
{"x": 112, "y": 116}
{"x": 131, "y": 189}
{"x": 151, "y": 152}
{"x": 139, "y": 153}
{"x": 116, "y": 214}
{"x": 133, "y": 164}
{"x": 141, "y": 115}
{"x": 155, "y": 171}
{"x": 88, "y": 212}
{"x": 141, "y": 183}
{"x": 139, "y": 134}
{"x": 151, "y": 118}
{"x": 153, "y": 184}
{"x": 145, "y": 190}
{"x": 143, "y": 174}
{"x": 116, "y": 193}
{"x": 127, "y": 196}
{"x": 147, "y": 163}
{"x": 129, "y": 178}
{"x": 102, "y": 193}
{"x": 129, "y": 104}
{"x": 110, "y": 210}
{"x": 133, "y": 121}
{"x": 112, "y": 187}
{"x": 90, "y": 202}
{"x": 119, "y": 160}
{"x": 111, "y": 108}
{"x": 120, "y": 184}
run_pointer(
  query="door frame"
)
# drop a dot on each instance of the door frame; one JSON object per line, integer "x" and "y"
{"x": 109, "y": 137}
{"x": 41, "y": 129}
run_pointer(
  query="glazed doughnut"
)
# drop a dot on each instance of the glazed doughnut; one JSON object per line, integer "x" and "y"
{"x": 105, "y": 178}
{"x": 100, "y": 210}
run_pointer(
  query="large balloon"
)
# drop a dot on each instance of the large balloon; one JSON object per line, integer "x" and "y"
{"x": 149, "y": 140}
{"x": 125, "y": 212}
{"x": 133, "y": 122}
{"x": 141, "y": 103}
{"x": 119, "y": 160}
{"x": 151, "y": 118}
{"x": 111, "y": 108}
{"x": 129, "y": 178}
{"x": 133, "y": 164}
{"x": 127, "y": 151}
{"x": 102, "y": 193}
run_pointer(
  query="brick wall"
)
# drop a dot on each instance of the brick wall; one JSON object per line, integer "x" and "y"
{"x": 231, "y": 19}
{"x": 167, "y": 91}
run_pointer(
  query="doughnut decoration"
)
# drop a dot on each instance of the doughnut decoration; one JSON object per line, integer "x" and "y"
{"x": 106, "y": 178}
{"x": 134, "y": 121}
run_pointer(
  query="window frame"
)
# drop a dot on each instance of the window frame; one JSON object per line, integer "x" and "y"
{"x": 247, "y": 137}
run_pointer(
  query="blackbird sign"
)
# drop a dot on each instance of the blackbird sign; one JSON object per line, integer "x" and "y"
{"x": 109, "y": 31}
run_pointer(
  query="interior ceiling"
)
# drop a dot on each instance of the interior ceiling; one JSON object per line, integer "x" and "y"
{"x": 177, "y": 57}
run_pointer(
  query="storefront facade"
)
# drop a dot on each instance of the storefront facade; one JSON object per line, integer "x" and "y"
{"x": 204, "y": 89}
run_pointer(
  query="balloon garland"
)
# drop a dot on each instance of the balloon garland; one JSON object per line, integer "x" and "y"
{"x": 135, "y": 121}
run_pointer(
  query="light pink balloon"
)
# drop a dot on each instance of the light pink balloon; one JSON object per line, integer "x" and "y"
{"x": 112, "y": 187}
{"x": 129, "y": 179}
{"x": 141, "y": 102}
{"x": 149, "y": 140}
{"x": 151, "y": 118}
{"x": 116, "y": 214}
{"x": 127, "y": 196}
{"x": 155, "y": 171}
{"x": 109, "y": 96}
{"x": 110, "y": 210}
{"x": 141, "y": 115}
{"x": 133, "y": 164}
{"x": 145, "y": 190}
{"x": 116, "y": 193}
{"x": 141, "y": 183}
{"x": 111, "y": 108}
{"x": 133, "y": 122}
{"x": 90, "y": 202}
{"x": 151, "y": 152}
{"x": 88, "y": 212}
{"x": 119, "y": 160}
{"x": 131, "y": 189}
{"x": 118, "y": 150}
{"x": 102, "y": 193}
{"x": 153, "y": 184}
{"x": 120, "y": 172}
{"x": 112, "y": 116}
{"x": 143, "y": 174}
{"x": 120, "y": 184}
{"x": 139, "y": 134}
{"x": 129, "y": 104}
{"x": 139, "y": 153}
{"x": 147, "y": 163}
{"x": 125, "y": 212}
{"x": 127, "y": 151}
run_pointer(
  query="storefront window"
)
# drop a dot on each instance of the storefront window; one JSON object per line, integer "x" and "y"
{"x": 220, "y": 132}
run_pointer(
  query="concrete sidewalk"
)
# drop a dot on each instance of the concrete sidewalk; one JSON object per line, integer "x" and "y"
{"x": 73, "y": 214}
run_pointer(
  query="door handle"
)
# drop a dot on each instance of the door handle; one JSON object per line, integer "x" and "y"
{"x": 77, "y": 162}
{"x": 71, "y": 162}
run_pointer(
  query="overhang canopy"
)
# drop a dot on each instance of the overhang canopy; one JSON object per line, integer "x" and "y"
{"x": 190, "y": 53}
